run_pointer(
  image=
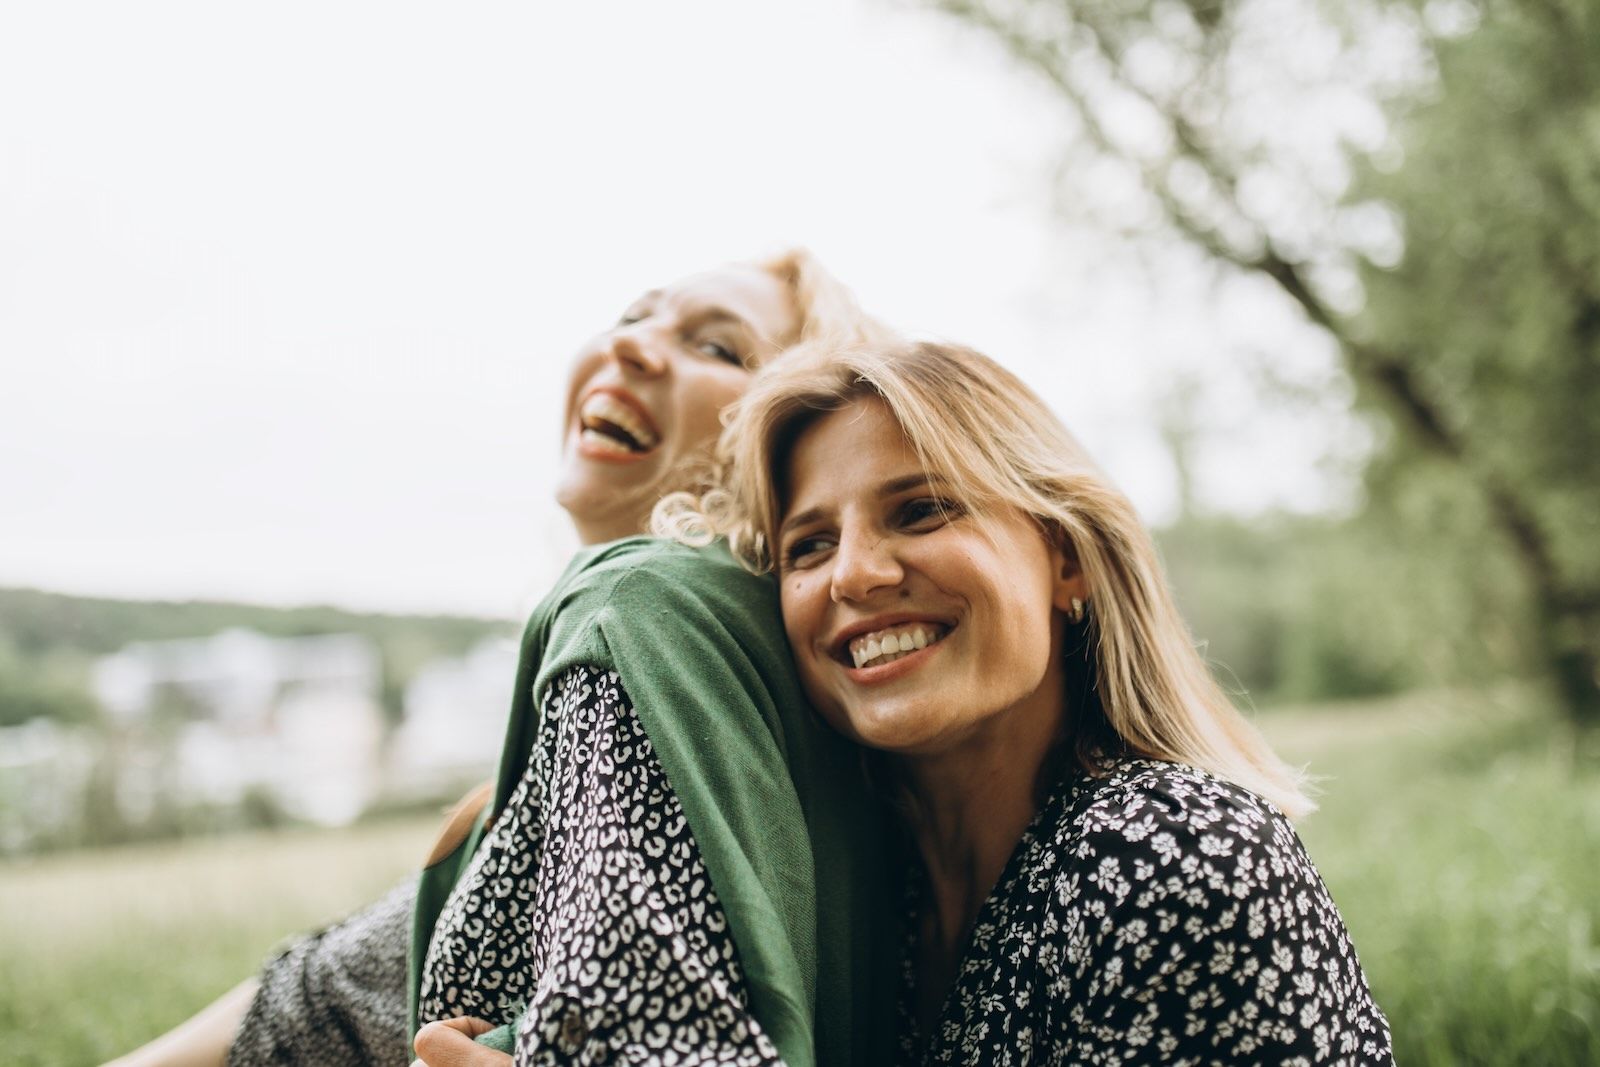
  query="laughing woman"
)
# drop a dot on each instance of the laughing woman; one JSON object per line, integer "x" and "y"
{"x": 630, "y": 892}
{"x": 1103, "y": 866}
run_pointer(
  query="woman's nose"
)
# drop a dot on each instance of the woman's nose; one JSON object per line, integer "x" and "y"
{"x": 863, "y": 564}
{"x": 633, "y": 352}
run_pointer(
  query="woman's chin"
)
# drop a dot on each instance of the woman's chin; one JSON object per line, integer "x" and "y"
{"x": 595, "y": 493}
{"x": 894, "y": 731}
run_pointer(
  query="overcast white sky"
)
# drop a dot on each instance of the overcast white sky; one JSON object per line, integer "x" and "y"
{"x": 287, "y": 291}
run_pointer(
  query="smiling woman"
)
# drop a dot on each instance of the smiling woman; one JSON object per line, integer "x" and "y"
{"x": 644, "y": 398}
{"x": 723, "y": 890}
{"x": 859, "y": 550}
{"x": 1104, "y": 871}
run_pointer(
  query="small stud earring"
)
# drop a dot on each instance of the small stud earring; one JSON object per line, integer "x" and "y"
{"x": 1076, "y": 614}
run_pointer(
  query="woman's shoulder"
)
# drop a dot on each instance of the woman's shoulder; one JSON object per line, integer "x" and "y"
{"x": 1181, "y": 900}
{"x": 1134, "y": 795}
{"x": 642, "y": 564}
{"x": 652, "y": 555}
{"x": 640, "y": 579}
{"x": 1176, "y": 821}
{"x": 650, "y": 606}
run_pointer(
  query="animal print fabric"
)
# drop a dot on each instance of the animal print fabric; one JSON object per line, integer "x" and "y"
{"x": 1154, "y": 916}
{"x": 336, "y": 998}
{"x": 587, "y": 908}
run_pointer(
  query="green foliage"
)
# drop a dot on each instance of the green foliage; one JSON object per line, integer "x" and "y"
{"x": 37, "y": 621}
{"x": 1495, "y": 306}
{"x": 1479, "y": 346}
{"x": 1460, "y": 834}
{"x": 43, "y": 686}
{"x": 1302, "y": 608}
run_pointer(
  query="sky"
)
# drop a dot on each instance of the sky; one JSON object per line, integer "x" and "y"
{"x": 287, "y": 292}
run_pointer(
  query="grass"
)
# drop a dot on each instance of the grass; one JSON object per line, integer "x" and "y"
{"x": 1459, "y": 834}
{"x": 103, "y": 951}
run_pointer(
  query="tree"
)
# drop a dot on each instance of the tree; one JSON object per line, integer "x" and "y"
{"x": 1423, "y": 182}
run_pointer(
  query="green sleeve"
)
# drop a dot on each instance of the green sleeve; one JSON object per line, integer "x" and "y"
{"x": 694, "y": 647}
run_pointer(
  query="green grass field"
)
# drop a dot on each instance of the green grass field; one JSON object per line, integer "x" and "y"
{"x": 1459, "y": 834}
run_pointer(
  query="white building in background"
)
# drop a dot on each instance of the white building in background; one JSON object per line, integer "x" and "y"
{"x": 455, "y": 721}
{"x": 295, "y": 718}
{"x": 44, "y": 772}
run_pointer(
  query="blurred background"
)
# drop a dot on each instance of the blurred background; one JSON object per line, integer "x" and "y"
{"x": 287, "y": 293}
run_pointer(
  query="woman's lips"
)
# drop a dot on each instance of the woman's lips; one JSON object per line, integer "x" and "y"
{"x": 883, "y": 672}
{"x": 612, "y": 425}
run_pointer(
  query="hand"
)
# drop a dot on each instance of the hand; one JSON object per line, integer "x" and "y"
{"x": 449, "y": 1044}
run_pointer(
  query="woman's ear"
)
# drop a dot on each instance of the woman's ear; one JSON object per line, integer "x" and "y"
{"x": 1070, "y": 584}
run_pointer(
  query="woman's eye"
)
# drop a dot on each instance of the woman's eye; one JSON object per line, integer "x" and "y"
{"x": 629, "y": 318}
{"x": 803, "y": 551}
{"x": 720, "y": 351}
{"x": 928, "y": 512}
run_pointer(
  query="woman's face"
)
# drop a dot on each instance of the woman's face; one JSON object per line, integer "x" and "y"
{"x": 915, "y": 630}
{"x": 647, "y": 394}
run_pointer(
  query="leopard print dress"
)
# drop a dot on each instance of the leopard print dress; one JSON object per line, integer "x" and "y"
{"x": 587, "y": 910}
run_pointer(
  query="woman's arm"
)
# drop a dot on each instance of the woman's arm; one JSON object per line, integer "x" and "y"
{"x": 589, "y": 909}
{"x": 200, "y": 1041}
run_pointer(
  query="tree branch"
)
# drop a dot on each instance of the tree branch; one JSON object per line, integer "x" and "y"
{"x": 1389, "y": 372}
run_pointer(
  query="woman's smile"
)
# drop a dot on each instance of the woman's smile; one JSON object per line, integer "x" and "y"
{"x": 615, "y": 426}
{"x": 915, "y": 624}
{"x": 892, "y": 651}
{"x": 645, "y": 397}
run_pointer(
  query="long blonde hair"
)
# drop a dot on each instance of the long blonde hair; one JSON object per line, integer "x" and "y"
{"x": 976, "y": 424}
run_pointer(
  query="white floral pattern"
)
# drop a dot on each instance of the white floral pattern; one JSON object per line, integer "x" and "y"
{"x": 1155, "y": 915}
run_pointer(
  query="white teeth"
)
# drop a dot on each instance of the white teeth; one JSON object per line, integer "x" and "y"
{"x": 603, "y": 407}
{"x": 886, "y": 646}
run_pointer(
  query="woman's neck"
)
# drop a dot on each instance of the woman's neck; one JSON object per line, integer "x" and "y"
{"x": 970, "y": 805}
{"x": 600, "y": 532}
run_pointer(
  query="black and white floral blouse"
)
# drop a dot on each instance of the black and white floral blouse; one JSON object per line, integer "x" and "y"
{"x": 1154, "y": 916}
{"x": 586, "y": 913}
{"x": 587, "y": 909}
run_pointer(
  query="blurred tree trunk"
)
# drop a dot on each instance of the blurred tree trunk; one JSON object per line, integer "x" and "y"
{"x": 1481, "y": 345}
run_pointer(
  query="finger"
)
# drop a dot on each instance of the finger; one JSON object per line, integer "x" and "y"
{"x": 442, "y": 1044}
{"x": 468, "y": 1025}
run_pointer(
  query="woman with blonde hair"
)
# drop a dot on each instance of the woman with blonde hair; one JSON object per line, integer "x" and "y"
{"x": 624, "y": 889}
{"x": 1104, "y": 870}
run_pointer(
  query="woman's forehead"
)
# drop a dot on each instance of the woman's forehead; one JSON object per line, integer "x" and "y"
{"x": 858, "y": 448}
{"x": 753, "y": 295}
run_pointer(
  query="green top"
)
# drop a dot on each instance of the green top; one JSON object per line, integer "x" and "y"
{"x": 790, "y": 833}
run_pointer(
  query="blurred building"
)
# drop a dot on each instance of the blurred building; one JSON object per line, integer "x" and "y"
{"x": 44, "y": 774}
{"x": 455, "y": 721}
{"x": 212, "y": 720}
